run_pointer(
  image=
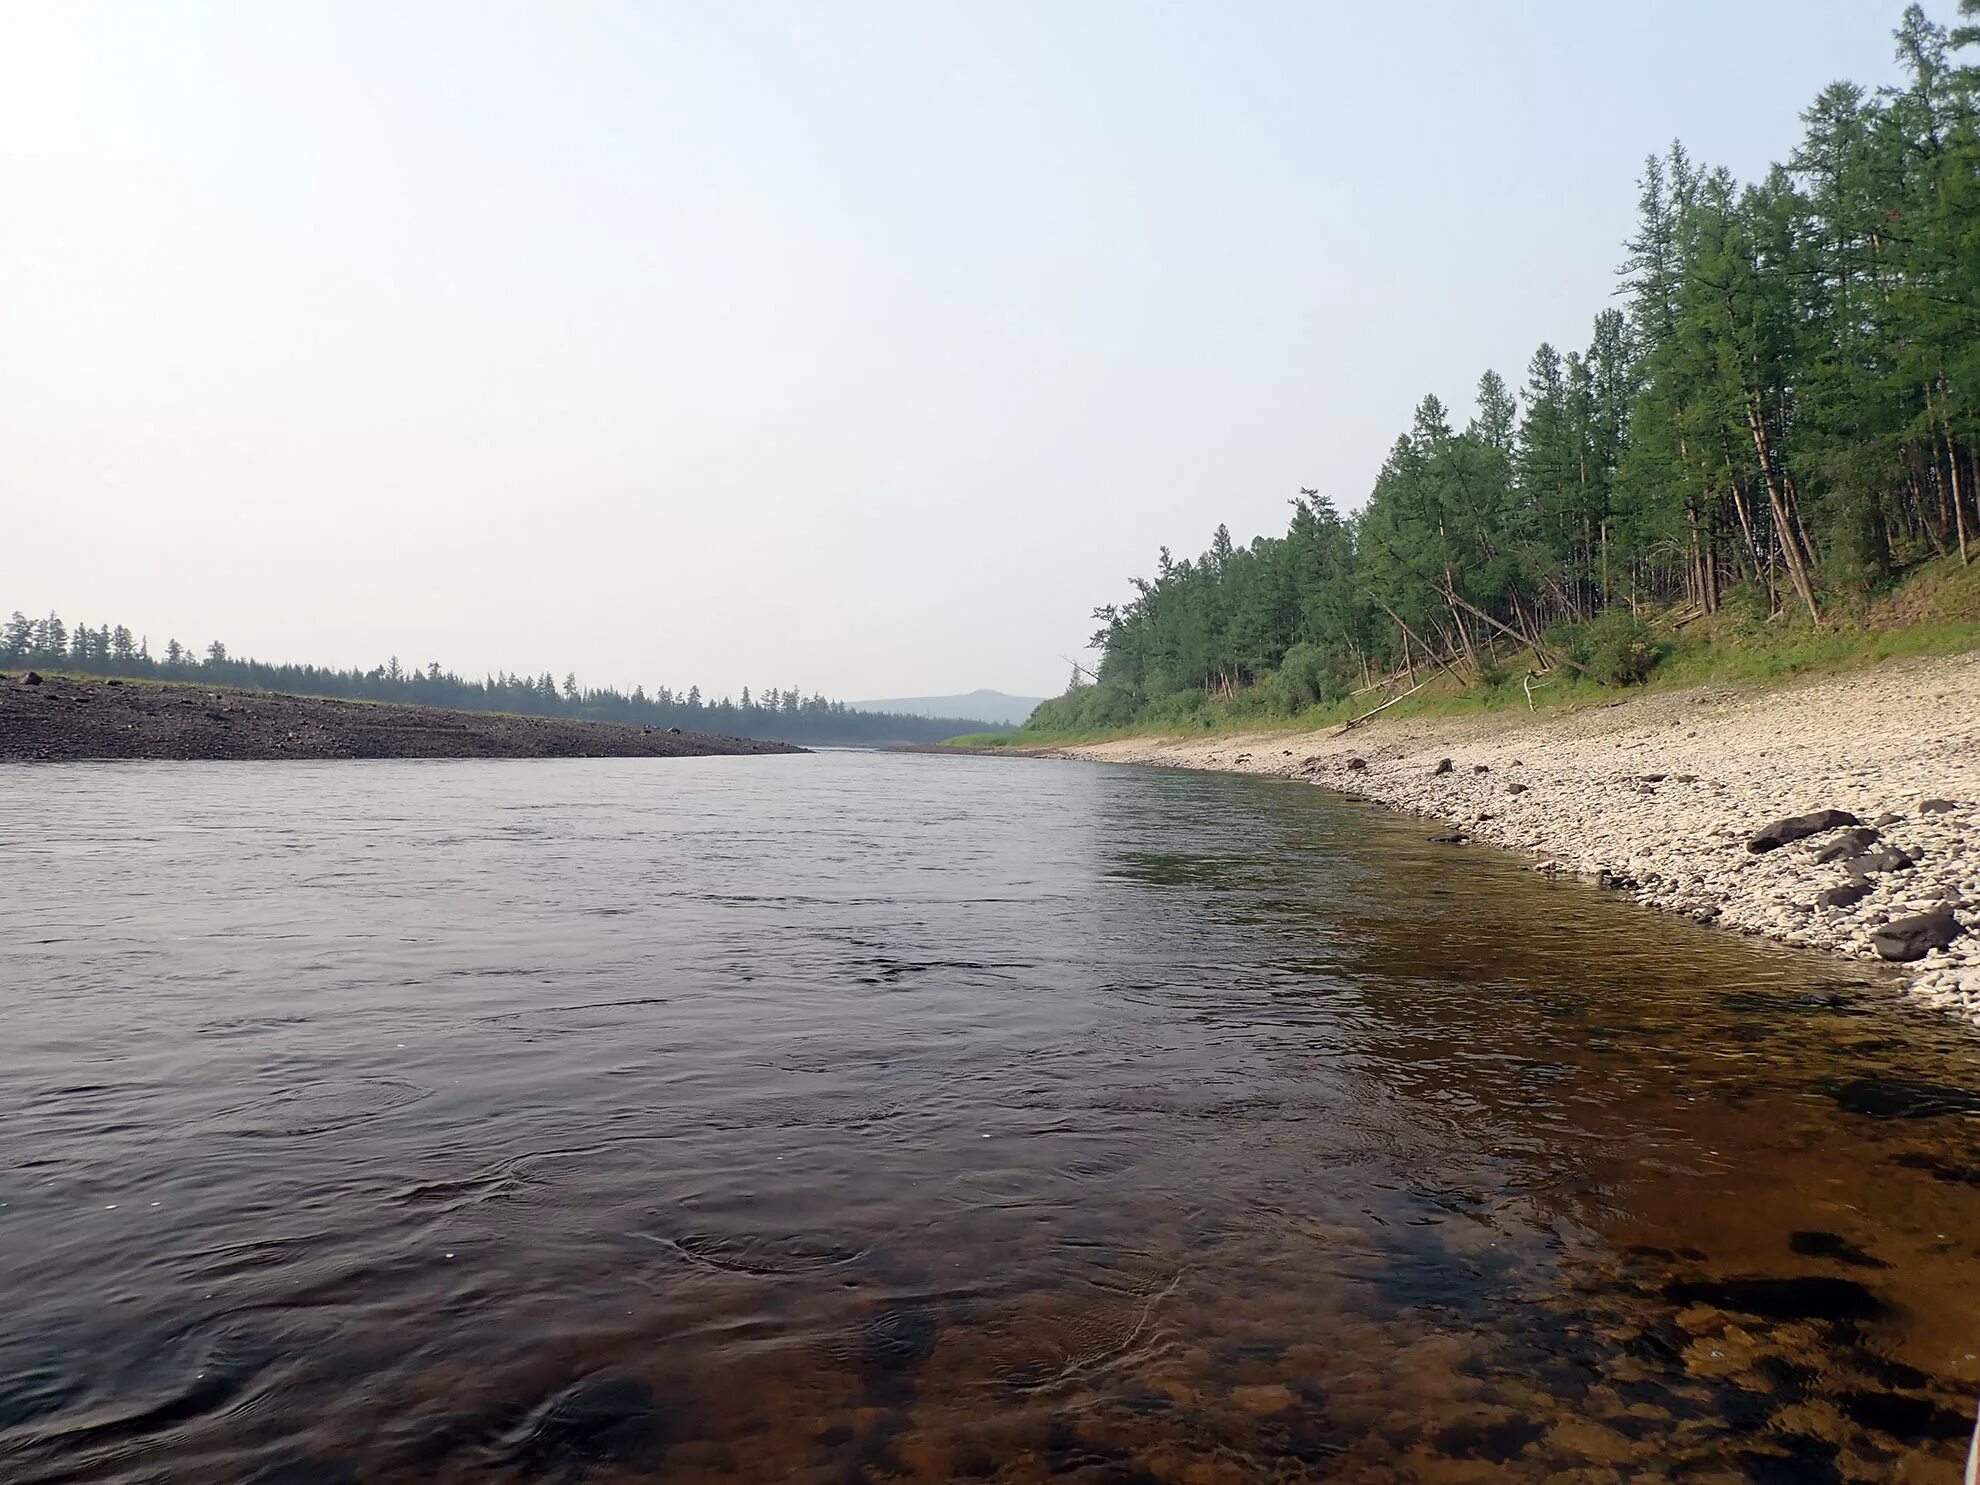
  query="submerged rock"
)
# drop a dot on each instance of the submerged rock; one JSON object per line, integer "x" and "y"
{"x": 902, "y": 1336}
{"x": 604, "y": 1420}
{"x": 1905, "y": 939}
{"x": 1263, "y": 1397}
{"x": 1832, "y": 1245}
{"x": 1822, "y": 1000}
{"x": 1805, "y": 1298}
{"x": 1901, "y": 1098}
{"x": 1780, "y": 832}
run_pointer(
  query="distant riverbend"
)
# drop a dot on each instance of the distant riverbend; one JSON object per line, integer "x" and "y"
{"x": 56, "y": 720}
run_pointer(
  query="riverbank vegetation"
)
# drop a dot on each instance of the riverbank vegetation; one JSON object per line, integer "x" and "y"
{"x": 1933, "y": 610}
{"x": 774, "y": 713}
{"x": 1746, "y": 460}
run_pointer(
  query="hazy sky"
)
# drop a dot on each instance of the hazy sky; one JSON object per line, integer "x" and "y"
{"x": 862, "y": 346}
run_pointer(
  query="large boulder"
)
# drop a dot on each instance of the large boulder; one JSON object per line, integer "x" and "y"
{"x": 1904, "y": 939}
{"x": 1849, "y": 894}
{"x": 1778, "y": 833}
{"x": 1890, "y": 858}
{"x": 1847, "y": 846}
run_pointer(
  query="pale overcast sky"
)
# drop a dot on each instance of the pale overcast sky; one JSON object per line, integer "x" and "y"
{"x": 862, "y": 346}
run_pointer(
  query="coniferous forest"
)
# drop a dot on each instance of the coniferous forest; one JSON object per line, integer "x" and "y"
{"x": 774, "y": 713}
{"x": 1780, "y": 413}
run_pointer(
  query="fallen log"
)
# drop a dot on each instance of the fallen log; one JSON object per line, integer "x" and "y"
{"x": 1354, "y": 722}
{"x": 1524, "y": 642}
{"x": 1439, "y": 659}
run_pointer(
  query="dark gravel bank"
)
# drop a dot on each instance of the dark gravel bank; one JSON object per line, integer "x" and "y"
{"x": 66, "y": 720}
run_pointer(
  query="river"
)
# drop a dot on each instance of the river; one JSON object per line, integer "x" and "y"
{"x": 871, "y": 1117}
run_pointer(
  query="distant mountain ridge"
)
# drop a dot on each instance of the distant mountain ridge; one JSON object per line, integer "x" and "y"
{"x": 977, "y": 706}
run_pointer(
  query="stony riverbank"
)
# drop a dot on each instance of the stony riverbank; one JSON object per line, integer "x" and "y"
{"x": 1663, "y": 795}
{"x": 60, "y": 720}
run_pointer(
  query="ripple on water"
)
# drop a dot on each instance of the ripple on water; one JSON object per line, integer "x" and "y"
{"x": 303, "y": 1469}
{"x": 606, "y": 1420}
{"x": 761, "y": 1255}
{"x": 319, "y": 1108}
{"x": 585, "y": 1019}
{"x": 31, "y": 1392}
{"x": 130, "y": 1392}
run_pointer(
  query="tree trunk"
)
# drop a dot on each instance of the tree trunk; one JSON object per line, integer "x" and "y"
{"x": 1952, "y": 466}
{"x": 1959, "y": 511}
{"x": 1784, "y": 522}
{"x": 1464, "y": 635}
{"x": 1457, "y": 603}
{"x": 1410, "y": 634}
{"x": 1700, "y": 564}
{"x": 1812, "y": 551}
{"x": 1745, "y": 518}
{"x": 1935, "y": 530}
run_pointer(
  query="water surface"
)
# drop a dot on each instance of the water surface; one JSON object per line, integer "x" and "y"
{"x": 866, "y": 1117}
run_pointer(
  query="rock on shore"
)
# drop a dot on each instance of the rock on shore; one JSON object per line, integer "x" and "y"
{"x": 56, "y": 720}
{"x": 1666, "y": 795}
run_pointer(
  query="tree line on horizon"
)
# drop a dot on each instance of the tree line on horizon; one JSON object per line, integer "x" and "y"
{"x": 1782, "y": 413}
{"x": 775, "y": 713}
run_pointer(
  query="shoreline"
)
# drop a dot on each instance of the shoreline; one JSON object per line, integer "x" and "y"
{"x": 1659, "y": 795}
{"x": 65, "y": 720}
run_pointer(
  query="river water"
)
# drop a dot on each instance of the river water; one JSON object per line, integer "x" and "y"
{"x": 870, "y": 1117}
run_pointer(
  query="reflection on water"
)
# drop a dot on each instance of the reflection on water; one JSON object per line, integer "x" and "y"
{"x": 870, "y": 1118}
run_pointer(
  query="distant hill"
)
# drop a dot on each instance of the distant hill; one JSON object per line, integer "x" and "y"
{"x": 978, "y": 706}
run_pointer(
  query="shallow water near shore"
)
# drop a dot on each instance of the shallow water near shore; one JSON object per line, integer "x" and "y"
{"x": 875, "y": 1117}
